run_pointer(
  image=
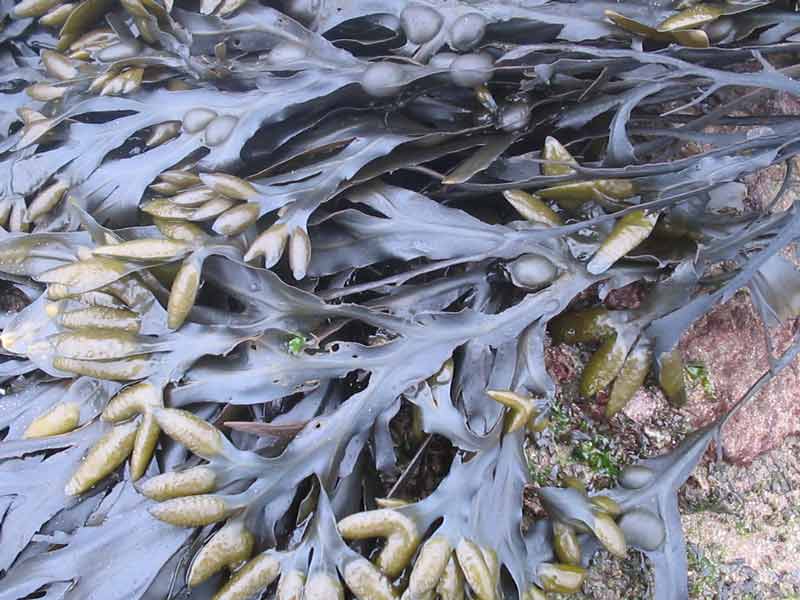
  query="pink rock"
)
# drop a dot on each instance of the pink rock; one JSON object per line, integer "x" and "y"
{"x": 627, "y": 297}
{"x": 644, "y": 404}
{"x": 730, "y": 342}
{"x": 561, "y": 362}
{"x": 783, "y": 103}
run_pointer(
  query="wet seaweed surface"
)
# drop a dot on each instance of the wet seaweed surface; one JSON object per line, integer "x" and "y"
{"x": 280, "y": 279}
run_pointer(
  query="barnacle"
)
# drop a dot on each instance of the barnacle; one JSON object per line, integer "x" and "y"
{"x": 252, "y": 240}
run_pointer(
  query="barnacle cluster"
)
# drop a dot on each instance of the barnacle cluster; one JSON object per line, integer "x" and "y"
{"x": 258, "y": 240}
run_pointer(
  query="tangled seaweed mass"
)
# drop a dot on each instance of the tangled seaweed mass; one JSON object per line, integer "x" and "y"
{"x": 259, "y": 244}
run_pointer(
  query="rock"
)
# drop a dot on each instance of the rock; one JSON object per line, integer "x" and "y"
{"x": 763, "y": 185}
{"x": 644, "y": 405}
{"x": 561, "y": 362}
{"x": 626, "y": 297}
{"x": 782, "y": 103}
{"x": 741, "y": 524}
{"x": 12, "y": 299}
{"x": 730, "y": 343}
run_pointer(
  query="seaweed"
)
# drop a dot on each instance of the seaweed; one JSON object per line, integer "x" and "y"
{"x": 272, "y": 256}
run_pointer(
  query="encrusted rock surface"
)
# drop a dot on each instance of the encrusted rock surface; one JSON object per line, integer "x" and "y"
{"x": 742, "y": 525}
{"x": 731, "y": 346}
